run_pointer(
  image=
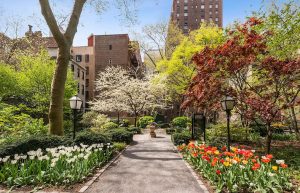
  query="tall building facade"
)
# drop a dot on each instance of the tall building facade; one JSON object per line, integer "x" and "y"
{"x": 189, "y": 14}
{"x": 103, "y": 51}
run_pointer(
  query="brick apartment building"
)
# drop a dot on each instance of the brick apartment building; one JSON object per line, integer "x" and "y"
{"x": 188, "y": 14}
{"x": 103, "y": 51}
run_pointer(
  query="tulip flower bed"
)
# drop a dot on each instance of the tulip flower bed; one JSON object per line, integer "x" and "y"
{"x": 56, "y": 166}
{"x": 239, "y": 170}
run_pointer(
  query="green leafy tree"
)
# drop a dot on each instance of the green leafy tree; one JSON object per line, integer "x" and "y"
{"x": 8, "y": 81}
{"x": 178, "y": 71}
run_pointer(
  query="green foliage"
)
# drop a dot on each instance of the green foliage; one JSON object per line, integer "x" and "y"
{"x": 164, "y": 125}
{"x": 181, "y": 122}
{"x": 237, "y": 132}
{"x": 170, "y": 131}
{"x": 125, "y": 123}
{"x": 26, "y": 144}
{"x": 88, "y": 137}
{"x": 120, "y": 135}
{"x": 144, "y": 121}
{"x": 110, "y": 125}
{"x": 15, "y": 124}
{"x": 135, "y": 130}
{"x": 284, "y": 24}
{"x": 119, "y": 146}
{"x": 8, "y": 81}
{"x": 88, "y": 118}
{"x": 178, "y": 71}
{"x": 284, "y": 137}
{"x": 96, "y": 120}
{"x": 29, "y": 87}
{"x": 181, "y": 138}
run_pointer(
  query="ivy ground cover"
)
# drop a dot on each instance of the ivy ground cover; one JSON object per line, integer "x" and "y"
{"x": 55, "y": 166}
{"x": 239, "y": 170}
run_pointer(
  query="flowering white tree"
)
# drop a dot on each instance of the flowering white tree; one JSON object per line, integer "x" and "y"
{"x": 120, "y": 92}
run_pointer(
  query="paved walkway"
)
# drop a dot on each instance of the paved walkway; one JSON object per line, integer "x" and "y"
{"x": 148, "y": 166}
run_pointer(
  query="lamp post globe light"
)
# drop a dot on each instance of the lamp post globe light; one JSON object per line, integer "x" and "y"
{"x": 75, "y": 104}
{"x": 228, "y": 104}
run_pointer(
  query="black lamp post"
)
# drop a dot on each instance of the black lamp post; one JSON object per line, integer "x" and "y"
{"x": 228, "y": 104}
{"x": 75, "y": 104}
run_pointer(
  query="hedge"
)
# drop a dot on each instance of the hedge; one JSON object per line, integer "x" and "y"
{"x": 135, "y": 130}
{"x": 181, "y": 138}
{"x": 120, "y": 135}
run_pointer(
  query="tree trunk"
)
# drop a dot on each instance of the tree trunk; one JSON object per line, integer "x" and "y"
{"x": 294, "y": 121}
{"x": 135, "y": 120}
{"x": 118, "y": 118}
{"x": 268, "y": 139}
{"x": 58, "y": 91}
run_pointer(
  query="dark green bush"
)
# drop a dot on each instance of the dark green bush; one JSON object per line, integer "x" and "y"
{"x": 181, "y": 138}
{"x": 237, "y": 132}
{"x": 284, "y": 137}
{"x": 120, "y": 135}
{"x": 110, "y": 125}
{"x": 164, "y": 125}
{"x": 33, "y": 143}
{"x": 125, "y": 123}
{"x": 135, "y": 130}
{"x": 159, "y": 119}
{"x": 144, "y": 121}
{"x": 170, "y": 131}
{"x": 87, "y": 137}
{"x": 181, "y": 122}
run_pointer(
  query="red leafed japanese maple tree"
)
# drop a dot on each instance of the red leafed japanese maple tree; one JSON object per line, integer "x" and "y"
{"x": 263, "y": 86}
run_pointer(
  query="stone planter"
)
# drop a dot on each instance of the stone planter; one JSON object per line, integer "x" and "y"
{"x": 152, "y": 131}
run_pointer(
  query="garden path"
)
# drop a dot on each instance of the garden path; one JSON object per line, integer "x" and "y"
{"x": 148, "y": 166}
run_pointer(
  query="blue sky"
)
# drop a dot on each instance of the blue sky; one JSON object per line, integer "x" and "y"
{"x": 110, "y": 22}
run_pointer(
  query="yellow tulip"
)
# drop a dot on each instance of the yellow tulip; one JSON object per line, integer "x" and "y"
{"x": 226, "y": 164}
{"x": 275, "y": 168}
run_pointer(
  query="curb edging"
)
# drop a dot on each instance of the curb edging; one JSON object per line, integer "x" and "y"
{"x": 201, "y": 184}
{"x": 88, "y": 184}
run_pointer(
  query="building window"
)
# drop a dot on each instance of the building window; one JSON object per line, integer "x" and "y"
{"x": 202, "y": 6}
{"x": 210, "y": 6}
{"x": 110, "y": 47}
{"x": 87, "y": 70}
{"x": 185, "y": 1}
{"x": 78, "y": 58}
{"x": 82, "y": 89}
{"x": 185, "y": 7}
{"x": 87, "y": 82}
{"x": 72, "y": 67}
{"x": 202, "y": 20}
{"x": 78, "y": 72}
{"x": 217, "y": 19}
{"x": 177, "y": 14}
{"x": 78, "y": 88}
{"x": 110, "y": 61}
{"x": 186, "y": 14}
{"x": 82, "y": 75}
{"x": 87, "y": 58}
{"x": 217, "y": 6}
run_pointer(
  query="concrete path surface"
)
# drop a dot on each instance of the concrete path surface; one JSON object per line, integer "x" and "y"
{"x": 148, "y": 166}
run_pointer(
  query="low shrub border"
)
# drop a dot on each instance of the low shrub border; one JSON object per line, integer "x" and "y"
{"x": 239, "y": 170}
